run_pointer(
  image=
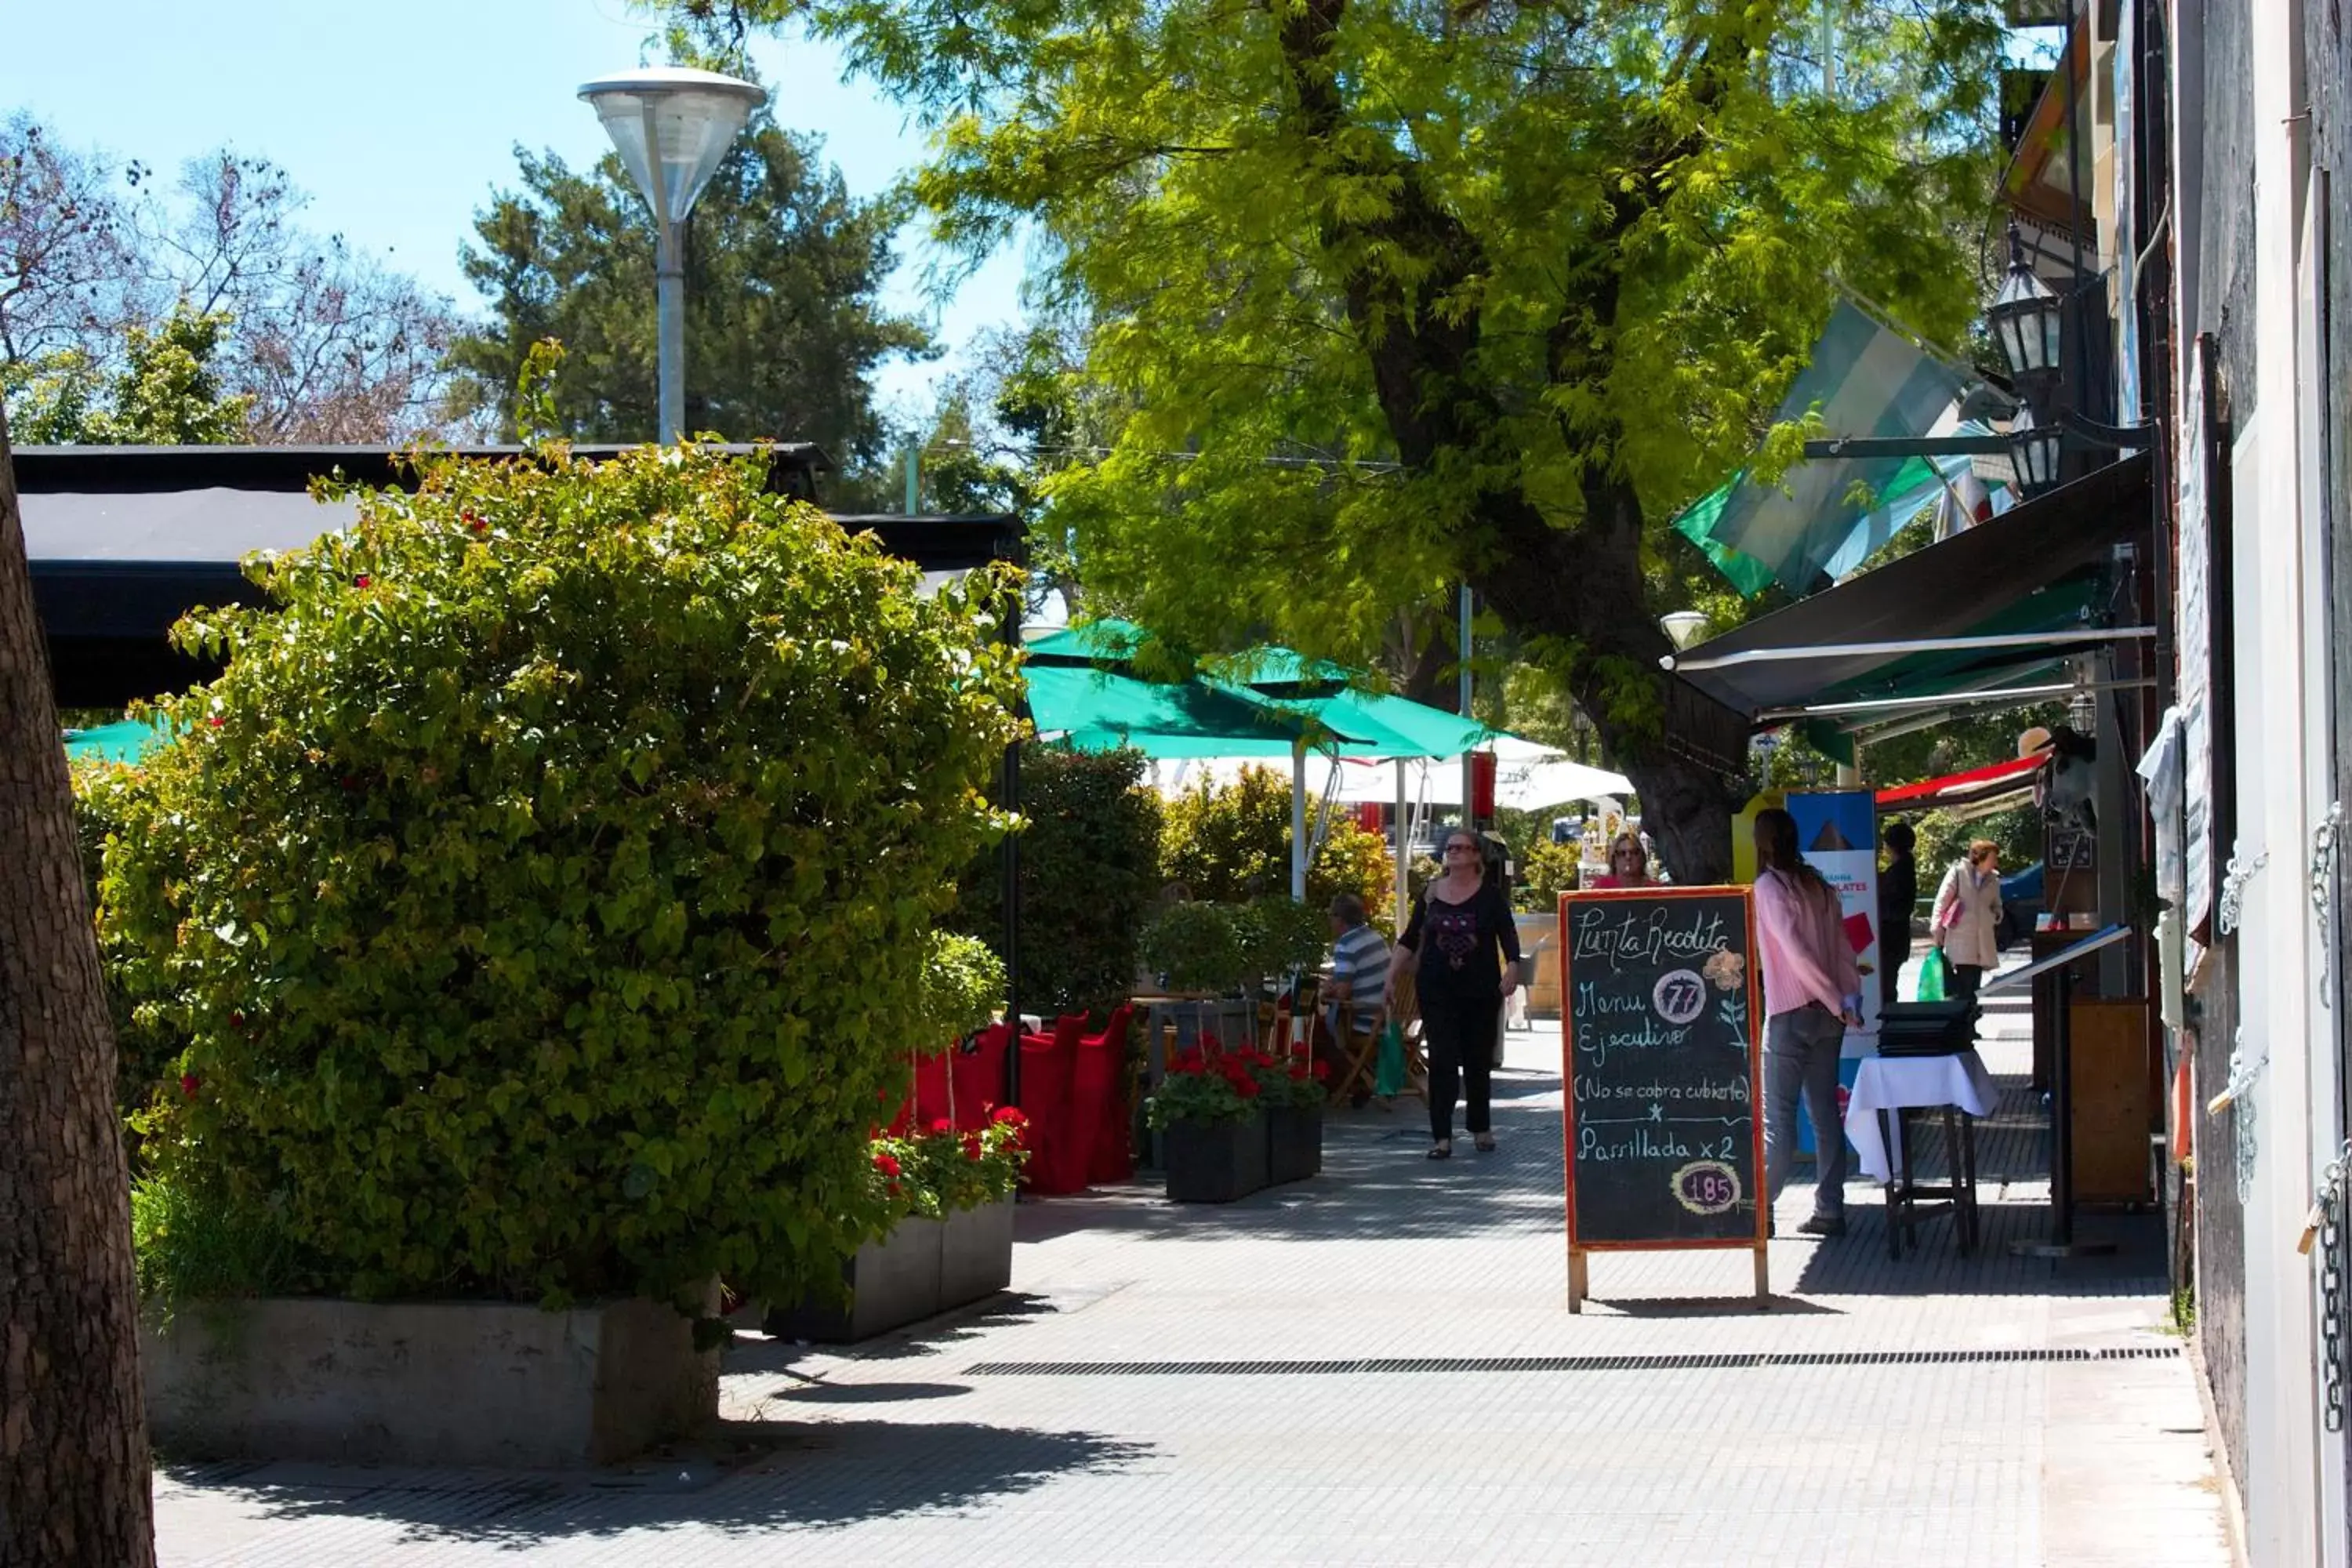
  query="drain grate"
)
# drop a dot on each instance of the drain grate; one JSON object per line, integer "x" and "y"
{"x": 1706, "y": 1361}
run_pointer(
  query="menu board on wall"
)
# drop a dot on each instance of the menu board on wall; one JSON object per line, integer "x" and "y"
{"x": 1659, "y": 1014}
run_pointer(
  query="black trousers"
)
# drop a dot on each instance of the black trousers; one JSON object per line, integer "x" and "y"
{"x": 1459, "y": 1032}
{"x": 1966, "y": 977}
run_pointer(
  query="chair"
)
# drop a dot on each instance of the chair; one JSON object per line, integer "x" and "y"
{"x": 977, "y": 1075}
{"x": 1359, "y": 1053}
{"x": 1047, "y": 1064}
{"x": 1097, "y": 1091}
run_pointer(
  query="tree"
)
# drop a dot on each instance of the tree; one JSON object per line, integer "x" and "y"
{"x": 74, "y": 1486}
{"x": 783, "y": 324}
{"x": 99, "y": 264}
{"x": 1404, "y": 292}
{"x": 166, "y": 391}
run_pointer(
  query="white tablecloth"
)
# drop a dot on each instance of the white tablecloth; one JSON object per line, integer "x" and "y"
{"x": 1885, "y": 1083}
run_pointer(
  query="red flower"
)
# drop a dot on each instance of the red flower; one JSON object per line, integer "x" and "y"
{"x": 1246, "y": 1088}
{"x": 188, "y": 1082}
{"x": 1009, "y": 1115}
{"x": 361, "y": 581}
{"x": 475, "y": 523}
{"x": 942, "y": 1125}
{"x": 215, "y": 720}
{"x": 1322, "y": 1072}
{"x": 235, "y": 1020}
{"x": 972, "y": 1150}
{"x": 1298, "y": 1072}
{"x": 887, "y": 1163}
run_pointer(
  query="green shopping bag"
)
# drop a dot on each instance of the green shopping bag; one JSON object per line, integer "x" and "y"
{"x": 1388, "y": 1075}
{"x": 1931, "y": 976}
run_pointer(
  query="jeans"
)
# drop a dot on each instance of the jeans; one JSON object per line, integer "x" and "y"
{"x": 1800, "y": 1056}
{"x": 1459, "y": 1032}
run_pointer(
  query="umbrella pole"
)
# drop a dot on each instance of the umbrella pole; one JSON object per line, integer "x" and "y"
{"x": 1298, "y": 820}
{"x": 1403, "y": 847}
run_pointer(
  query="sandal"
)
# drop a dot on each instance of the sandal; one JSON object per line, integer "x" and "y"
{"x": 1485, "y": 1142}
{"x": 1442, "y": 1151}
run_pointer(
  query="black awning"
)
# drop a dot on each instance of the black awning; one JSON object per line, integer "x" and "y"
{"x": 2030, "y": 582}
{"x": 122, "y": 540}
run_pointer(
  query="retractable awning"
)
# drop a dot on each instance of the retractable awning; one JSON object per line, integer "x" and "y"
{"x": 1980, "y": 612}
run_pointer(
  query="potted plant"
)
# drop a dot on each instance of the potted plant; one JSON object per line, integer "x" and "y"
{"x": 1198, "y": 948}
{"x": 948, "y": 1200}
{"x": 1292, "y": 1090}
{"x": 1212, "y": 1128}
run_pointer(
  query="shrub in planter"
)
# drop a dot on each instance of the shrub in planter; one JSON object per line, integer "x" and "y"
{"x": 1280, "y": 936}
{"x": 1197, "y": 947}
{"x": 544, "y": 893}
{"x": 1212, "y": 1126}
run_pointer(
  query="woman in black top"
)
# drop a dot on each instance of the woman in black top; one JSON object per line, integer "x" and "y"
{"x": 1458, "y": 923}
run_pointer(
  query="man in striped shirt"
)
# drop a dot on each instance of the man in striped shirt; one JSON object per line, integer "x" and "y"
{"x": 1359, "y": 969}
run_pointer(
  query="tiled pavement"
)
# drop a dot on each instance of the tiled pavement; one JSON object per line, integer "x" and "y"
{"x": 1377, "y": 1366}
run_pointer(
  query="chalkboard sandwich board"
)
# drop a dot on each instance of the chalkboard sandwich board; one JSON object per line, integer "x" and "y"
{"x": 1661, "y": 1018}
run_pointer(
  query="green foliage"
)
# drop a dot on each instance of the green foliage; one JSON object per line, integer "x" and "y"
{"x": 544, "y": 893}
{"x": 167, "y": 391}
{"x": 963, "y": 987}
{"x": 1090, "y": 869}
{"x": 1207, "y": 1085}
{"x": 1394, "y": 294}
{"x": 146, "y": 1055}
{"x": 190, "y": 1241}
{"x": 1280, "y": 935}
{"x": 941, "y": 1170}
{"x": 1546, "y": 872}
{"x": 1232, "y": 844}
{"x": 1196, "y": 946}
{"x": 784, "y": 325}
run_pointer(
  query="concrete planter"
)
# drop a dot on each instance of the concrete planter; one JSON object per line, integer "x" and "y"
{"x": 923, "y": 1268}
{"x": 1293, "y": 1143}
{"x": 976, "y": 1254}
{"x": 1213, "y": 1163}
{"x": 487, "y": 1384}
{"x": 892, "y": 1282}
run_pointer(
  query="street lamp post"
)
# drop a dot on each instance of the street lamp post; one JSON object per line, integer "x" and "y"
{"x": 672, "y": 125}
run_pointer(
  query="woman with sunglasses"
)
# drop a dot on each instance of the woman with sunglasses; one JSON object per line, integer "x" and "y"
{"x": 1460, "y": 924}
{"x": 1629, "y": 863}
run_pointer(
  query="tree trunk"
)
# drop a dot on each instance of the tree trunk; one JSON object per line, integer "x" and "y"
{"x": 74, "y": 1486}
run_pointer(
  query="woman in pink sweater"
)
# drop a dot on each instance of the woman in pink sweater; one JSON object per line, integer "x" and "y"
{"x": 1812, "y": 995}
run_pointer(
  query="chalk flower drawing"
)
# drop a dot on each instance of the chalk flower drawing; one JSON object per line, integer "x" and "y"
{"x": 1727, "y": 969}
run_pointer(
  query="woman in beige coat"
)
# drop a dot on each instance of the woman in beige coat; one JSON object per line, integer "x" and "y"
{"x": 1968, "y": 918}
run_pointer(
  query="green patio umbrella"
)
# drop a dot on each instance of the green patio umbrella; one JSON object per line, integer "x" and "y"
{"x": 1098, "y": 710}
{"x": 128, "y": 740}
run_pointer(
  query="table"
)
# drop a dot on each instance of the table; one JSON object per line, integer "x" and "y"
{"x": 1886, "y": 1086}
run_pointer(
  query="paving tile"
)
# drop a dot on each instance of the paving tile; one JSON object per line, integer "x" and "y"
{"x": 1942, "y": 1433}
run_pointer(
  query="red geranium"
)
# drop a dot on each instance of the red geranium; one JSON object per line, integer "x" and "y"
{"x": 972, "y": 1150}
{"x": 189, "y": 1083}
{"x": 1010, "y": 1116}
{"x": 942, "y": 1125}
{"x": 888, "y": 1165}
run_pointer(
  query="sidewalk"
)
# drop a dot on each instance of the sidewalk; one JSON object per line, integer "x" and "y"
{"x": 1377, "y": 1366}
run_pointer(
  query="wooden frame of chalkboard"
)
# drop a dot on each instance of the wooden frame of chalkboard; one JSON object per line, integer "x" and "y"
{"x": 1677, "y": 969}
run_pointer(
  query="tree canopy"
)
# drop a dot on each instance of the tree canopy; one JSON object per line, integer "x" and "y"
{"x": 1401, "y": 292}
{"x": 118, "y": 292}
{"x": 784, "y": 274}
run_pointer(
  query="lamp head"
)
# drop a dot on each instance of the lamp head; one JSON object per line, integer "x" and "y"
{"x": 672, "y": 126}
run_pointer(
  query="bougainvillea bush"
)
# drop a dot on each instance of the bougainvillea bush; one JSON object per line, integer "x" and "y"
{"x": 544, "y": 895}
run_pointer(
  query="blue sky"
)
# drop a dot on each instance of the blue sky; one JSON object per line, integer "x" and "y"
{"x": 401, "y": 125}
